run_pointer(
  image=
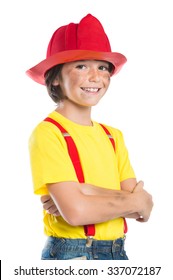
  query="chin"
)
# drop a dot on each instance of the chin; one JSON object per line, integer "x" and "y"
{"x": 90, "y": 104}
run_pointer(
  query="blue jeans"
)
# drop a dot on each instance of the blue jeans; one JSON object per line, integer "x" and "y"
{"x": 79, "y": 249}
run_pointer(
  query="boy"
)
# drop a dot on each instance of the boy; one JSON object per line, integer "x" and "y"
{"x": 93, "y": 191}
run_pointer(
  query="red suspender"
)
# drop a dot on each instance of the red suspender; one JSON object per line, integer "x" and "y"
{"x": 109, "y": 135}
{"x": 113, "y": 144}
{"x": 72, "y": 150}
{"x": 73, "y": 153}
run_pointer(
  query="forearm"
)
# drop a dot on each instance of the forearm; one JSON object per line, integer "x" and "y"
{"x": 88, "y": 189}
{"x": 85, "y": 206}
{"x": 98, "y": 209}
{"x": 126, "y": 185}
{"x": 136, "y": 205}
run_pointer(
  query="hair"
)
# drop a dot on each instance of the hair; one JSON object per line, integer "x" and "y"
{"x": 55, "y": 92}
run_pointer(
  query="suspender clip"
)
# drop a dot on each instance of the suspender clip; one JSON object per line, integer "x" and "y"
{"x": 89, "y": 241}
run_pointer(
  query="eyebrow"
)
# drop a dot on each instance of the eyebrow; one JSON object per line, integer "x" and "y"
{"x": 84, "y": 60}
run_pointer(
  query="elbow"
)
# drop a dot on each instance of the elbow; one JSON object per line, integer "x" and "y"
{"x": 74, "y": 217}
{"x": 74, "y": 221}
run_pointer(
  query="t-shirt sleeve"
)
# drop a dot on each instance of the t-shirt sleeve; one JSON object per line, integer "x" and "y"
{"x": 49, "y": 158}
{"x": 125, "y": 168}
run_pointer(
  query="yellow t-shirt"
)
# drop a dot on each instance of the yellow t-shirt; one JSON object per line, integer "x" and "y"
{"x": 50, "y": 163}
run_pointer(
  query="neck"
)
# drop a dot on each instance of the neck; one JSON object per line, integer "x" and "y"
{"x": 78, "y": 114}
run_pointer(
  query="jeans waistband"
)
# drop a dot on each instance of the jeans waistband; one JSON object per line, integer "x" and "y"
{"x": 90, "y": 242}
{"x": 66, "y": 249}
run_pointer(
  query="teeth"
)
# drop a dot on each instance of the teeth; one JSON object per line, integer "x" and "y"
{"x": 91, "y": 89}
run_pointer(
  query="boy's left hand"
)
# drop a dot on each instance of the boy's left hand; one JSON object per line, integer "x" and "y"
{"x": 49, "y": 205}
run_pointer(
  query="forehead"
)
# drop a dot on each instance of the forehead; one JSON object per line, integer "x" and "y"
{"x": 94, "y": 62}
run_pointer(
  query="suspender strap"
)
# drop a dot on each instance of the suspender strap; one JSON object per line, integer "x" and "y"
{"x": 113, "y": 144}
{"x": 109, "y": 135}
{"x": 72, "y": 150}
{"x": 73, "y": 153}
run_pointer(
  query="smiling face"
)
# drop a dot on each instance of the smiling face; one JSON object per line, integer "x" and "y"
{"x": 85, "y": 82}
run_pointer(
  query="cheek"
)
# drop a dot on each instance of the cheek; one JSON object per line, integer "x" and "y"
{"x": 108, "y": 76}
{"x": 70, "y": 85}
{"x": 107, "y": 80}
{"x": 76, "y": 79}
{"x": 76, "y": 83}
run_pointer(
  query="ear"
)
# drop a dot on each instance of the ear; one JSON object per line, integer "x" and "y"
{"x": 55, "y": 82}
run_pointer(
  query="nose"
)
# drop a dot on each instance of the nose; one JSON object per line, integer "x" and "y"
{"x": 94, "y": 75}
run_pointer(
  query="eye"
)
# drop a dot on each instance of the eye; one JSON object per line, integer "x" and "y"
{"x": 81, "y": 66}
{"x": 104, "y": 68}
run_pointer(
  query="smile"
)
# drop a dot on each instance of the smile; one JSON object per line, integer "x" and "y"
{"x": 90, "y": 89}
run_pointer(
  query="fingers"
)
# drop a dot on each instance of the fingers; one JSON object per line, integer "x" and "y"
{"x": 53, "y": 211}
{"x": 143, "y": 219}
{"x": 146, "y": 211}
{"x": 139, "y": 186}
{"x": 45, "y": 198}
{"x": 49, "y": 205}
{"x": 145, "y": 202}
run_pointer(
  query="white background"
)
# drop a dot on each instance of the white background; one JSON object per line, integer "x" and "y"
{"x": 138, "y": 102}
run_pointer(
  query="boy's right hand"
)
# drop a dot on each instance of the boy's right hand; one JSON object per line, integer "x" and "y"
{"x": 146, "y": 207}
{"x": 139, "y": 187}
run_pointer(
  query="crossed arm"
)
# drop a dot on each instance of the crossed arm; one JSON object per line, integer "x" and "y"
{"x": 81, "y": 204}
